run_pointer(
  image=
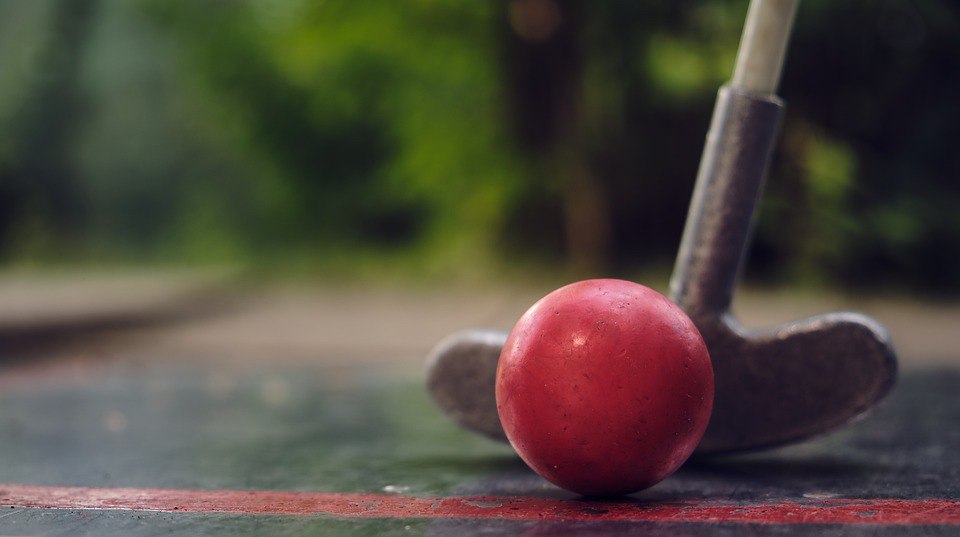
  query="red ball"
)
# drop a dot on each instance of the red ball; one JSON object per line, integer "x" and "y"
{"x": 604, "y": 387}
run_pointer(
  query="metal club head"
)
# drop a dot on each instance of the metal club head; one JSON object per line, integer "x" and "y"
{"x": 461, "y": 375}
{"x": 773, "y": 386}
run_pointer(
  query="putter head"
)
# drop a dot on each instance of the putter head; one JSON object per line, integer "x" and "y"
{"x": 461, "y": 377}
{"x": 785, "y": 384}
{"x": 772, "y": 387}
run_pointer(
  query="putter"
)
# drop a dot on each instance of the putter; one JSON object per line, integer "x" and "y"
{"x": 773, "y": 386}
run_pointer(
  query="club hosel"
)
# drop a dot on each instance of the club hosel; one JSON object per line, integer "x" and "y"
{"x": 735, "y": 159}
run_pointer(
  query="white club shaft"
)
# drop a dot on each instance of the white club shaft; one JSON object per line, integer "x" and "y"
{"x": 764, "y": 45}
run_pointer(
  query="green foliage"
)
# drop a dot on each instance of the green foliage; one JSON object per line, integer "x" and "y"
{"x": 377, "y": 121}
{"x": 875, "y": 86}
{"x": 364, "y": 134}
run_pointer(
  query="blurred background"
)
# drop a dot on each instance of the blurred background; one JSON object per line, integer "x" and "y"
{"x": 441, "y": 139}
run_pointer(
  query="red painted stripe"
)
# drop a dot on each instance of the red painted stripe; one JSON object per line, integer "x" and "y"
{"x": 351, "y": 505}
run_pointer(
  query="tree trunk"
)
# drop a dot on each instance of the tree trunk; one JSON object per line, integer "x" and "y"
{"x": 544, "y": 63}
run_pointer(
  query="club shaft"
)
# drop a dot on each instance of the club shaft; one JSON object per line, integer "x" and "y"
{"x": 729, "y": 182}
{"x": 763, "y": 45}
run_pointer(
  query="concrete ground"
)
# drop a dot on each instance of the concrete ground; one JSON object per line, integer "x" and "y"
{"x": 182, "y": 404}
{"x": 202, "y": 316}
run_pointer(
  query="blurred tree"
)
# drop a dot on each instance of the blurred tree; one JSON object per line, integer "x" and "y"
{"x": 382, "y": 131}
{"x": 634, "y": 109}
{"x": 459, "y": 135}
{"x": 543, "y": 63}
{"x": 39, "y": 192}
{"x": 865, "y": 190}
{"x": 863, "y": 185}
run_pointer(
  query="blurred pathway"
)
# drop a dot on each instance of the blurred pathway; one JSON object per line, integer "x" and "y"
{"x": 191, "y": 316}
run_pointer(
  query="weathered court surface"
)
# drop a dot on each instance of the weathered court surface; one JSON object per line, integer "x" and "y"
{"x": 256, "y": 416}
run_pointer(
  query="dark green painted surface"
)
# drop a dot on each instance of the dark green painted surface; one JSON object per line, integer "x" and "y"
{"x": 69, "y": 523}
{"x": 361, "y": 430}
{"x": 50, "y": 523}
{"x": 189, "y": 427}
